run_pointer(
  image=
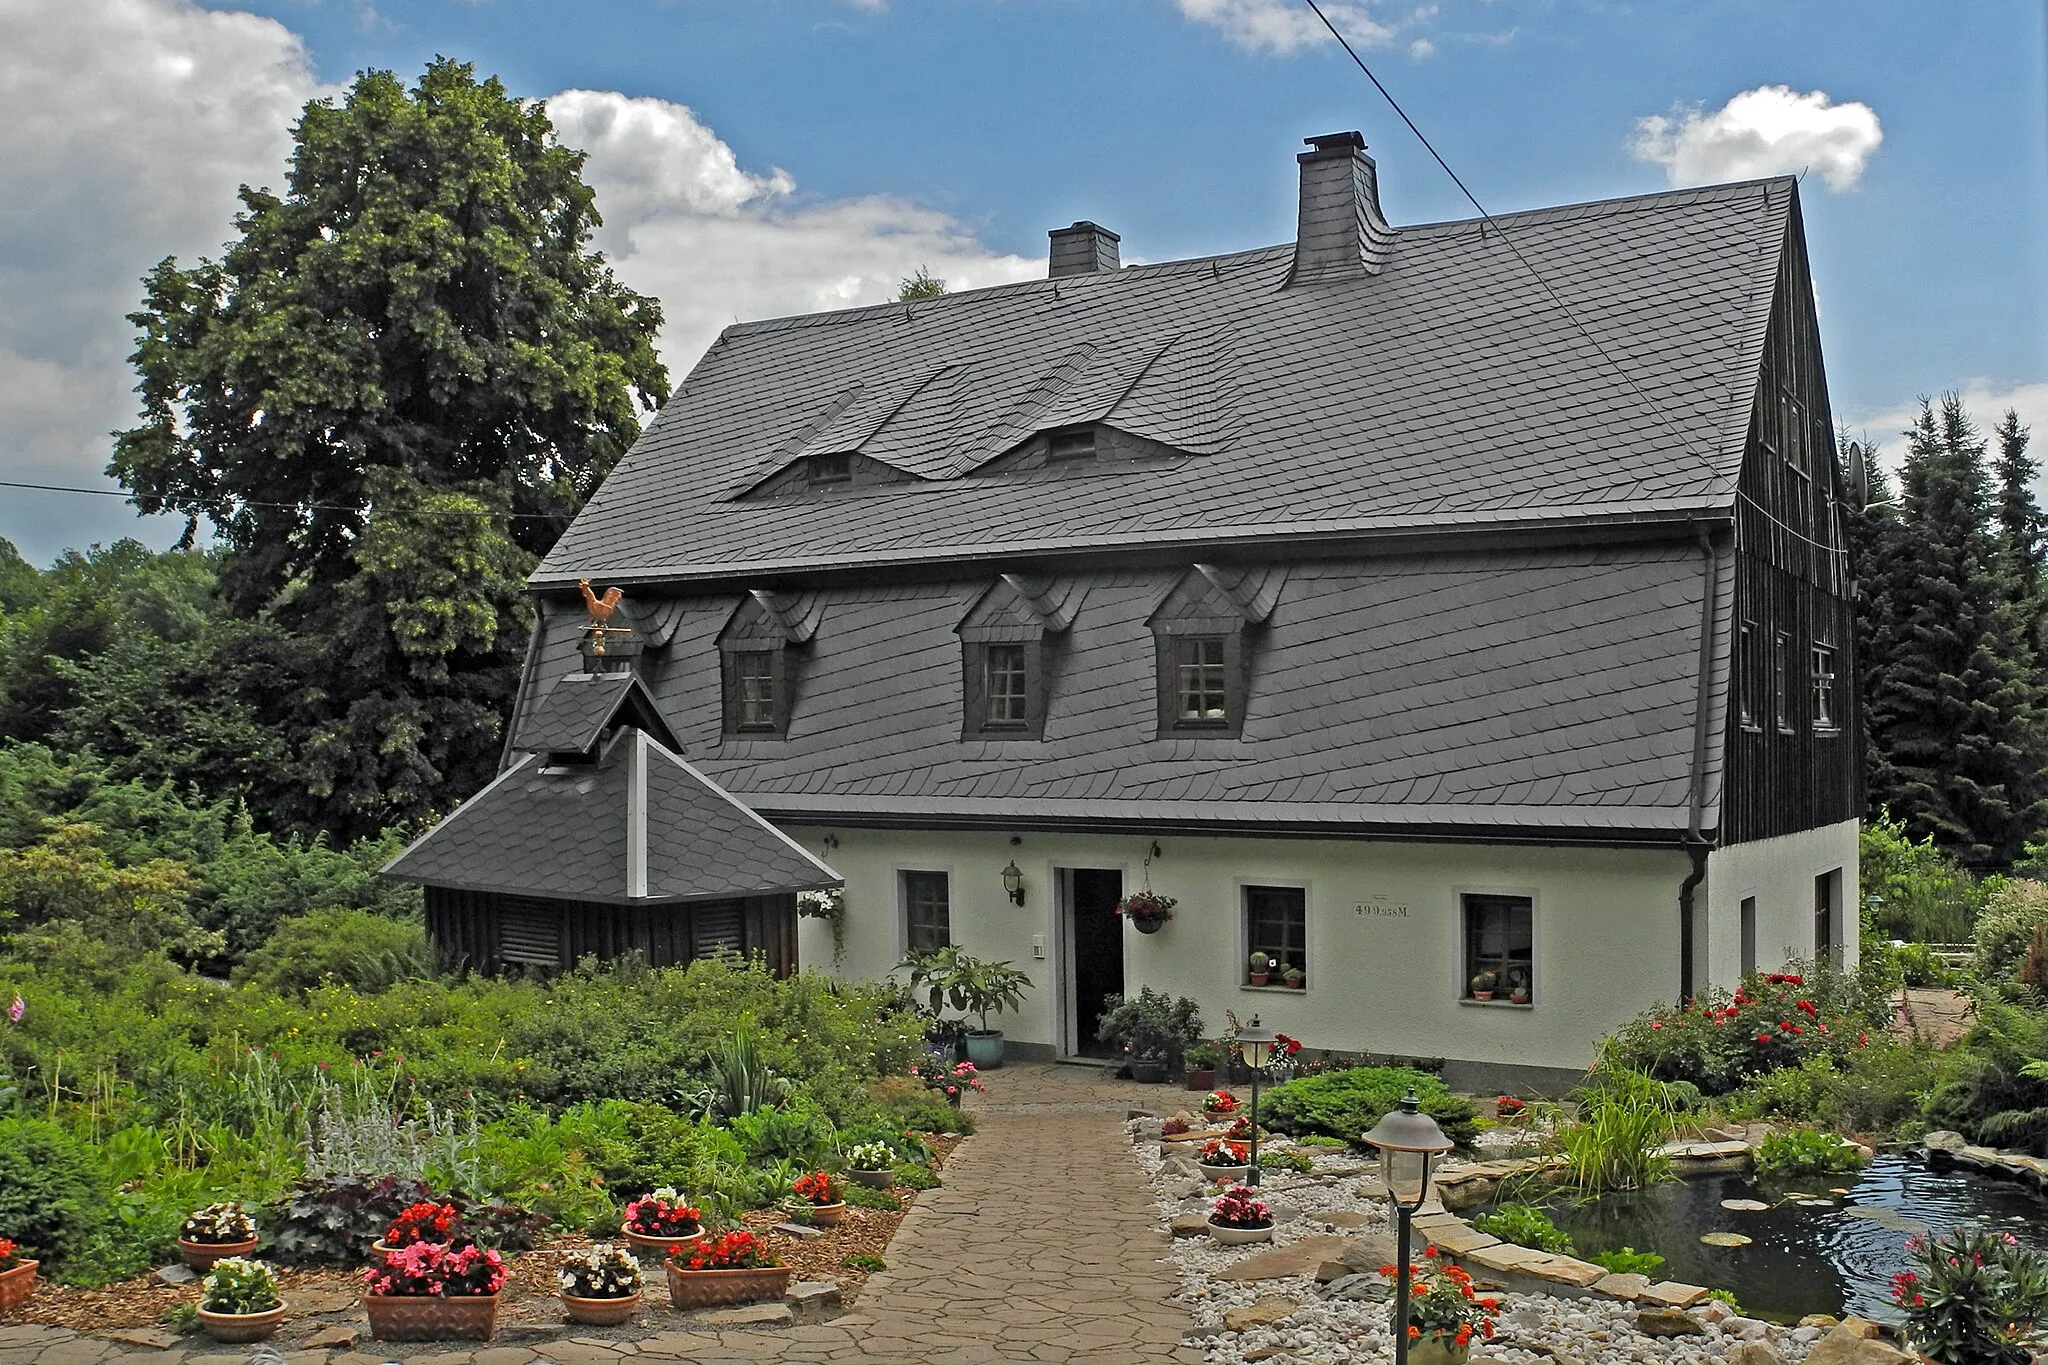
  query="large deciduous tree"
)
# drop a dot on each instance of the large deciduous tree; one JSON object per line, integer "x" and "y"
{"x": 389, "y": 395}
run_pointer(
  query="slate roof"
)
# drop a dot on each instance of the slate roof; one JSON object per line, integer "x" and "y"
{"x": 1532, "y": 691}
{"x": 1449, "y": 390}
{"x": 639, "y": 826}
{"x": 574, "y": 711}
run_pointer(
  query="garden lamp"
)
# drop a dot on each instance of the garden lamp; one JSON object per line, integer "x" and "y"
{"x": 1255, "y": 1042}
{"x": 1409, "y": 1142}
{"x": 1013, "y": 882}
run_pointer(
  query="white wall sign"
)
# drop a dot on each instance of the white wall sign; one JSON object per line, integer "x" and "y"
{"x": 1381, "y": 907}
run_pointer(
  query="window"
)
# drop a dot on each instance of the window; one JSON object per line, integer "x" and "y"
{"x": 1276, "y": 924}
{"x": 1748, "y": 934}
{"x": 1005, "y": 700}
{"x": 759, "y": 652}
{"x": 1200, "y": 681}
{"x": 1823, "y": 687}
{"x": 1075, "y": 443}
{"x": 1826, "y": 891}
{"x": 828, "y": 469}
{"x": 1745, "y": 664}
{"x": 751, "y": 685}
{"x": 1781, "y": 684}
{"x": 1500, "y": 937}
{"x": 927, "y": 918}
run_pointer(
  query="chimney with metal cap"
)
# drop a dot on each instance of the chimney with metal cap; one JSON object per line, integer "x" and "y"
{"x": 1084, "y": 249}
{"x": 1342, "y": 234}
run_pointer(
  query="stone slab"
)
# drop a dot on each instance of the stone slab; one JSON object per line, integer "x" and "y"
{"x": 1627, "y": 1287}
{"x": 342, "y": 1338}
{"x": 1464, "y": 1239}
{"x": 748, "y": 1315}
{"x": 1566, "y": 1270}
{"x": 1350, "y": 1218}
{"x": 1672, "y": 1294}
{"x": 1669, "y": 1322}
{"x": 149, "y": 1338}
{"x": 1265, "y": 1313}
{"x": 1296, "y": 1258}
{"x": 1503, "y": 1256}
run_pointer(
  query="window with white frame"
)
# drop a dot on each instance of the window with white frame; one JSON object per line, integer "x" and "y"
{"x": 1276, "y": 924}
{"x": 927, "y": 911}
{"x": 1500, "y": 947}
{"x": 1824, "y": 687}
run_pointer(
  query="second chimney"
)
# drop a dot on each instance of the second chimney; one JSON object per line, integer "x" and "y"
{"x": 1084, "y": 249}
{"x": 1341, "y": 233}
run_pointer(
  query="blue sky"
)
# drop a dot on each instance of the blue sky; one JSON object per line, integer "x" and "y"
{"x": 766, "y": 156}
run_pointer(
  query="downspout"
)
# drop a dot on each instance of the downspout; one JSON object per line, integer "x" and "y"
{"x": 1695, "y": 844}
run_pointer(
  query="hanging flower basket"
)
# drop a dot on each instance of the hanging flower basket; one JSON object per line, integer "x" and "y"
{"x": 1147, "y": 911}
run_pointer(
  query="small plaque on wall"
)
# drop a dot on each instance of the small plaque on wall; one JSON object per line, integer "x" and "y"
{"x": 1381, "y": 907}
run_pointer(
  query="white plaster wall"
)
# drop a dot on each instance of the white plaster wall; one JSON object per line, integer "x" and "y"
{"x": 1780, "y": 873}
{"x": 1606, "y": 932}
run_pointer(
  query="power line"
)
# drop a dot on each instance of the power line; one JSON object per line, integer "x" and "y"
{"x": 300, "y": 506}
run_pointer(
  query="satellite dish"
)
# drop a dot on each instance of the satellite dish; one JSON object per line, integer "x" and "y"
{"x": 1859, "y": 475}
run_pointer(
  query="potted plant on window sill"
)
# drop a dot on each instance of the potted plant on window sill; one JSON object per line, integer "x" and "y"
{"x": 601, "y": 1286}
{"x": 239, "y": 1302}
{"x": 1295, "y": 978}
{"x": 430, "y": 1290}
{"x": 1482, "y": 984}
{"x": 1147, "y": 910}
{"x": 1518, "y": 986}
{"x": 215, "y": 1233}
{"x": 1259, "y": 968}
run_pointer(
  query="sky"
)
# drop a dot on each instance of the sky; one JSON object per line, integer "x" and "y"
{"x": 755, "y": 158}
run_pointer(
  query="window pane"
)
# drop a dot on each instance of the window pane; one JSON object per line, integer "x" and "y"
{"x": 925, "y": 911}
{"x": 1199, "y": 685}
{"x": 1781, "y": 692}
{"x": 1500, "y": 937}
{"x": 1276, "y": 924}
{"x": 753, "y": 690}
{"x": 1071, "y": 445}
{"x": 1003, "y": 692}
{"x": 1823, "y": 688}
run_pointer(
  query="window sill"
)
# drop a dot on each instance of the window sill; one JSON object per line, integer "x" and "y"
{"x": 1273, "y": 990}
{"x": 1496, "y": 1004}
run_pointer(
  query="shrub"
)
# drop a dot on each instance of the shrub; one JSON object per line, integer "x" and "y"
{"x": 1803, "y": 1151}
{"x": 1347, "y": 1104}
{"x": 1526, "y": 1226}
{"x": 2008, "y": 921}
{"x": 863, "y": 1197}
{"x": 1977, "y": 1298}
{"x": 1720, "y": 1039}
{"x": 354, "y": 948}
{"x": 925, "y": 1114}
{"x": 1993, "y": 1089}
{"x": 1628, "y": 1261}
{"x": 1918, "y": 966}
{"x": 332, "y": 1220}
{"x": 1925, "y": 895}
{"x": 1286, "y": 1161}
{"x": 861, "y": 1260}
{"x": 1624, "y": 1119}
{"x": 917, "y": 1177}
{"x": 50, "y": 1200}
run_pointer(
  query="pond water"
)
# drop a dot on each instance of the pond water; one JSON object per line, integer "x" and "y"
{"x": 1804, "y": 1259}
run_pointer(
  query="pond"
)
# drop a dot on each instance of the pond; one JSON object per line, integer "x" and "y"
{"x": 1803, "y": 1258}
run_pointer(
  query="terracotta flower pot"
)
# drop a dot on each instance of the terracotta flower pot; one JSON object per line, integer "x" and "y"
{"x": 17, "y": 1286}
{"x": 421, "y": 1317}
{"x": 1437, "y": 1350}
{"x": 1482, "y": 995}
{"x": 658, "y": 1246}
{"x": 709, "y": 1288}
{"x": 823, "y": 1215}
{"x": 201, "y": 1255}
{"x": 1231, "y": 1236}
{"x": 237, "y": 1328}
{"x": 874, "y": 1180}
{"x": 379, "y": 1249}
{"x": 601, "y": 1312}
{"x": 1260, "y": 978}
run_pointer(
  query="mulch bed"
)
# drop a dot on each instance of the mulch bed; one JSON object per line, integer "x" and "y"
{"x": 529, "y": 1294}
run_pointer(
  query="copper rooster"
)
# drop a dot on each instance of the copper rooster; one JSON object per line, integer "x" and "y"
{"x": 601, "y": 608}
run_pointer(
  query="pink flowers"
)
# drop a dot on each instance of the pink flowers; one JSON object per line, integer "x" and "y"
{"x": 16, "y": 1010}
{"x": 434, "y": 1270}
{"x": 1240, "y": 1208}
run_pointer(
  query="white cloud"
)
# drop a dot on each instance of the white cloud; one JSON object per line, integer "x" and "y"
{"x": 126, "y": 126}
{"x": 1986, "y": 401}
{"x": 1771, "y": 130}
{"x": 1283, "y": 26}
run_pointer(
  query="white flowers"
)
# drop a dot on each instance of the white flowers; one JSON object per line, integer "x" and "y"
{"x": 603, "y": 1272}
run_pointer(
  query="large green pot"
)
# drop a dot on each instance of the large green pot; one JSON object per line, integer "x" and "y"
{"x": 985, "y": 1050}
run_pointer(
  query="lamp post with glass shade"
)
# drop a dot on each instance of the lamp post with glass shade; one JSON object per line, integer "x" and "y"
{"x": 1409, "y": 1142}
{"x": 1255, "y": 1042}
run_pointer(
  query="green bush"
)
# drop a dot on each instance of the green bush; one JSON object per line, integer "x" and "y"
{"x": 1348, "y": 1104}
{"x": 1993, "y": 1087}
{"x": 1286, "y": 1161}
{"x": 1720, "y": 1039}
{"x": 1922, "y": 894}
{"x": 1803, "y": 1151}
{"x": 355, "y": 948}
{"x": 52, "y": 1202}
{"x": 922, "y": 1113}
{"x": 1526, "y": 1226}
{"x": 2006, "y": 925}
{"x": 1918, "y": 966}
{"x": 864, "y": 1197}
{"x": 917, "y": 1177}
{"x": 1628, "y": 1261}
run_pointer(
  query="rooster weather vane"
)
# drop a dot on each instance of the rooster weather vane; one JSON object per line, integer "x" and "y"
{"x": 601, "y": 609}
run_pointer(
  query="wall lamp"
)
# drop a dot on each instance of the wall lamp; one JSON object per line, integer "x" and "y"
{"x": 1013, "y": 883}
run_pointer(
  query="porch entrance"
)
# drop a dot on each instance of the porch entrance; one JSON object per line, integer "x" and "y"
{"x": 1091, "y": 954}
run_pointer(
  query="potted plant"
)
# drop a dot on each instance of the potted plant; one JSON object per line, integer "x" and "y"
{"x": 1223, "y": 1160}
{"x": 1155, "y": 1029}
{"x": 1239, "y": 1217}
{"x": 953, "y": 1079}
{"x": 1201, "y": 1062}
{"x": 1295, "y": 977}
{"x": 1260, "y": 967}
{"x": 421, "y": 1222}
{"x": 239, "y": 1302}
{"x": 1976, "y": 1298}
{"x": 430, "y": 1290}
{"x": 1482, "y": 985}
{"x": 951, "y": 977}
{"x": 215, "y": 1233}
{"x": 1518, "y": 985}
{"x": 817, "y": 1195}
{"x": 736, "y": 1268}
{"x": 872, "y": 1164}
{"x": 1219, "y": 1102}
{"x": 600, "y": 1286}
{"x": 1147, "y": 910}
{"x": 17, "y": 1276}
{"x": 659, "y": 1221}
{"x": 1445, "y": 1316}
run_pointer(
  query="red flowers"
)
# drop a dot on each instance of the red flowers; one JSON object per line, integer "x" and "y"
{"x": 7, "y": 1254}
{"x": 1240, "y": 1208}
{"x": 1217, "y": 1152}
{"x": 1220, "y": 1102}
{"x": 423, "y": 1223}
{"x": 740, "y": 1250}
{"x": 1283, "y": 1046}
{"x": 817, "y": 1188}
{"x": 662, "y": 1214}
{"x": 1442, "y": 1304}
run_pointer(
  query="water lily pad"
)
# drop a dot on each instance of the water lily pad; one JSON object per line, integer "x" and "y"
{"x": 1815, "y": 1203}
{"x": 1838, "y": 1190}
{"x": 1745, "y": 1205}
{"x": 1724, "y": 1239}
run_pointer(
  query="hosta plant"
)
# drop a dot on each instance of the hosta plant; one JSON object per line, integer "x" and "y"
{"x": 223, "y": 1223}
{"x": 1976, "y": 1298}
{"x": 429, "y": 1269}
{"x": 239, "y": 1285}
{"x": 603, "y": 1272}
{"x": 1240, "y": 1208}
{"x": 662, "y": 1214}
{"x": 734, "y": 1251}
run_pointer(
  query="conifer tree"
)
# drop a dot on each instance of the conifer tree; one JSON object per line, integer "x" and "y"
{"x": 2022, "y": 527}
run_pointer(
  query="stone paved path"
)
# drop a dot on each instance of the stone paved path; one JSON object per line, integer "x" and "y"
{"x": 1041, "y": 1246}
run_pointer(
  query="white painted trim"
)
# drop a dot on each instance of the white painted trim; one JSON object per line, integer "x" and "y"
{"x": 1066, "y": 1013}
{"x": 1537, "y": 970}
{"x": 636, "y": 817}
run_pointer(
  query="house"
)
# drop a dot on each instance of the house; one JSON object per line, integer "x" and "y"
{"x": 1409, "y": 604}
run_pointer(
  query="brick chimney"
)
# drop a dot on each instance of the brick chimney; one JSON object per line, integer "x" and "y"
{"x": 1342, "y": 234}
{"x": 1083, "y": 249}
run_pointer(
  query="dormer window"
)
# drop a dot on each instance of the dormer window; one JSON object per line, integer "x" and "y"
{"x": 750, "y": 685}
{"x": 1201, "y": 680}
{"x": 1005, "y": 688}
{"x": 822, "y": 471}
{"x": 758, "y": 664}
{"x": 1206, "y": 632}
{"x": 1074, "y": 443}
{"x": 1009, "y": 644}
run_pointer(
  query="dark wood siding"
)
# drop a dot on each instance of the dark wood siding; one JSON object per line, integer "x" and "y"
{"x": 479, "y": 931}
{"x": 1793, "y": 591}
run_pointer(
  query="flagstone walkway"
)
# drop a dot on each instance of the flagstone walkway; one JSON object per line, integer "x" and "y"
{"x": 1042, "y": 1246}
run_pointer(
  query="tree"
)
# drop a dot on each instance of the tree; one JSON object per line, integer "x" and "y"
{"x": 922, "y": 285}
{"x": 389, "y": 395}
{"x": 2022, "y": 528}
{"x": 1955, "y": 707}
